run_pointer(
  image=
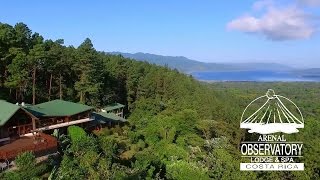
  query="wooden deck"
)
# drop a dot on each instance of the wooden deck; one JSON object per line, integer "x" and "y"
{"x": 39, "y": 145}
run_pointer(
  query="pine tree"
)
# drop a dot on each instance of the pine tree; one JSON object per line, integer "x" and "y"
{"x": 18, "y": 78}
{"x": 7, "y": 41}
{"x": 36, "y": 57}
{"x": 88, "y": 68}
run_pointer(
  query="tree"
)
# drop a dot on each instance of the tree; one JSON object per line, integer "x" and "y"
{"x": 182, "y": 170}
{"x": 23, "y": 36}
{"x": 36, "y": 56}
{"x": 69, "y": 169}
{"x": 87, "y": 67}
{"x": 55, "y": 63}
{"x": 7, "y": 41}
{"x": 18, "y": 78}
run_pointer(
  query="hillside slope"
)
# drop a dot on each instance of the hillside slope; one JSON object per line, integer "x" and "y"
{"x": 188, "y": 65}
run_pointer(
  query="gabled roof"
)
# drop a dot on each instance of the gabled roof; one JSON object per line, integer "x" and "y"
{"x": 113, "y": 106}
{"x": 7, "y": 110}
{"x": 108, "y": 116}
{"x": 57, "y": 108}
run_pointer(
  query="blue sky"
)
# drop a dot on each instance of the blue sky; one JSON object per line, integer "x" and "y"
{"x": 213, "y": 31}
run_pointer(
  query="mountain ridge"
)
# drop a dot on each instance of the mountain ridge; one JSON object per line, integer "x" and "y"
{"x": 188, "y": 66}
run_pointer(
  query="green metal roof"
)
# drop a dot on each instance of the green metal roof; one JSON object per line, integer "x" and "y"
{"x": 7, "y": 110}
{"x": 57, "y": 108}
{"x": 107, "y": 116}
{"x": 113, "y": 106}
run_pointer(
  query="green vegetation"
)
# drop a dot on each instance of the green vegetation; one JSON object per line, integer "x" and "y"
{"x": 178, "y": 128}
{"x": 26, "y": 168}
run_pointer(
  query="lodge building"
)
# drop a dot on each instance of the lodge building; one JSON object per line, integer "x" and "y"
{"x": 27, "y": 127}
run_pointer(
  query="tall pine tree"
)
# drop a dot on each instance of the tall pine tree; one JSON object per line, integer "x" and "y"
{"x": 88, "y": 68}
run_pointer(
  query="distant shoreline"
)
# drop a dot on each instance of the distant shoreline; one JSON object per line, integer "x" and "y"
{"x": 248, "y": 81}
{"x": 254, "y": 76}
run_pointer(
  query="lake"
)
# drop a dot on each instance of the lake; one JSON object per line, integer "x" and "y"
{"x": 257, "y": 75}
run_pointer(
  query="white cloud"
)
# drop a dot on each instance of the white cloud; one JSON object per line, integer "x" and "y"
{"x": 313, "y": 3}
{"x": 276, "y": 23}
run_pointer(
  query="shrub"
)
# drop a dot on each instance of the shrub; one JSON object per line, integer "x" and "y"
{"x": 25, "y": 161}
{"x": 76, "y": 133}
